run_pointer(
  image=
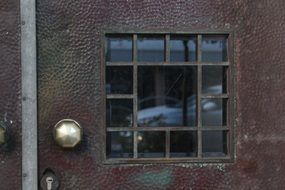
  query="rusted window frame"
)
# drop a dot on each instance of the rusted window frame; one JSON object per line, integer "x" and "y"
{"x": 230, "y": 96}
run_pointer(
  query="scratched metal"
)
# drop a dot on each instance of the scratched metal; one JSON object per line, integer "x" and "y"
{"x": 10, "y": 94}
{"x": 70, "y": 86}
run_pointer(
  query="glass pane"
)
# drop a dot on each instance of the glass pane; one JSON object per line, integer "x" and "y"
{"x": 167, "y": 96}
{"x": 183, "y": 144}
{"x": 214, "y": 48}
{"x": 214, "y": 112}
{"x": 119, "y": 80}
{"x": 119, "y": 49}
{"x": 214, "y": 143}
{"x": 150, "y": 48}
{"x": 183, "y": 48}
{"x": 214, "y": 80}
{"x": 151, "y": 144}
{"x": 120, "y": 144}
{"x": 119, "y": 113}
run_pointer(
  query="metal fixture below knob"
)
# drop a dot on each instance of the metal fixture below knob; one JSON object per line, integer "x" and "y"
{"x": 2, "y": 134}
{"x": 67, "y": 133}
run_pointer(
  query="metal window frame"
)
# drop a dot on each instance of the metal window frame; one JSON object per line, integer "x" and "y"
{"x": 230, "y": 96}
{"x": 29, "y": 95}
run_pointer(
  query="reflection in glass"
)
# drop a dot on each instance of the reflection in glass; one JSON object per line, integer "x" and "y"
{"x": 214, "y": 112}
{"x": 150, "y": 48}
{"x": 183, "y": 48}
{"x": 119, "y": 112}
{"x": 214, "y": 80}
{"x": 214, "y": 143}
{"x": 183, "y": 143}
{"x": 119, "y": 49}
{"x": 120, "y": 144}
{"x": 151, "y": 144}
{"x": 119, "y": 80}
{"x": 214, "y": 48}
{"x": 166, "y": 96}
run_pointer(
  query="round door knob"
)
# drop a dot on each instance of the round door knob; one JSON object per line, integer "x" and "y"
{"x": 67, "y": 133}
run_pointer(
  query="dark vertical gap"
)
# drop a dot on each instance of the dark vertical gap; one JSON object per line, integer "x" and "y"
{"x": 225, "y": 142}
{"x": 225, "y": 111}
{"x": 224, "y": 78}
{"x": 159, "y": 79}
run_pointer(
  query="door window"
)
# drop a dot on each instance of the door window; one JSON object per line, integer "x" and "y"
{"x": 168, "y": 98}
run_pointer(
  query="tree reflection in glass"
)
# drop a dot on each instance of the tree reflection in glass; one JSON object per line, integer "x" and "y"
{"x": 183, "y": 48}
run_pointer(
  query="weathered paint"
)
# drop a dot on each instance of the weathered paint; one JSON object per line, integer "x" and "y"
{"x": 154, "y": 179}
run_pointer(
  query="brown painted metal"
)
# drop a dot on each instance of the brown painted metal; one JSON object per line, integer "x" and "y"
{"x": 10, "y": 95}
{"x": 70, "y": 38}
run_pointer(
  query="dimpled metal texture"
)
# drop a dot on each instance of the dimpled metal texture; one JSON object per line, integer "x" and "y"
{"x": 70, "y": 81}
{"x": 10, "y": 95}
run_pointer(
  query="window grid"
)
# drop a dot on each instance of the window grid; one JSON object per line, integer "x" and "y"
{"x": 199, "y": 128}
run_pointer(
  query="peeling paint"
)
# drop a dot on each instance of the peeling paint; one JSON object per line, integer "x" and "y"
{"x": 220, "y": 167}
{"x": 155, "y": 178}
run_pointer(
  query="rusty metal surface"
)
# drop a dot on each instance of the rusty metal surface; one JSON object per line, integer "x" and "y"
{"x": 70, "y": 86}
{"x": 10, "y": 95}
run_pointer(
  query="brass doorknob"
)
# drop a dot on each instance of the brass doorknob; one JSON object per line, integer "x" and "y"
{"x": 2, "y": 134}
{"x": 67, "y": 133}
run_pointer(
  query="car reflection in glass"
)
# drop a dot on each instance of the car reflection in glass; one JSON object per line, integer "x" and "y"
{"x": 171, "y": 114}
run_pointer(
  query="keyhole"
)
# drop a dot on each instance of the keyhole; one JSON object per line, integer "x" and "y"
{"x": 49, "y": 181}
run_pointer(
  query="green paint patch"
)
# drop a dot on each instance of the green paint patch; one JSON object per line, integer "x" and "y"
{"x": 155, "y": 178}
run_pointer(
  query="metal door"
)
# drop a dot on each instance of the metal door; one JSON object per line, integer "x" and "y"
{"x": 71, "y": 75}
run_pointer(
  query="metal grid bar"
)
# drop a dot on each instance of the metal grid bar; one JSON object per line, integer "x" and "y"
{"x": 204, "y": 128}
{"x": 120, "y": 96}
{"x": 224, "y": 159}
{"x": 119, "y": 63}
{"x": 230, "y": 102}
{"x": 215, "y": 96}
{"x": 199, "y": 92}
{"x": 135, "y": 95}
{"x": 167, "y": 63}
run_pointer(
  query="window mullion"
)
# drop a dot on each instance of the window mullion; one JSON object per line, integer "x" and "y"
{"x": 135, "y": 95}
{"x": 199, "y": 93}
